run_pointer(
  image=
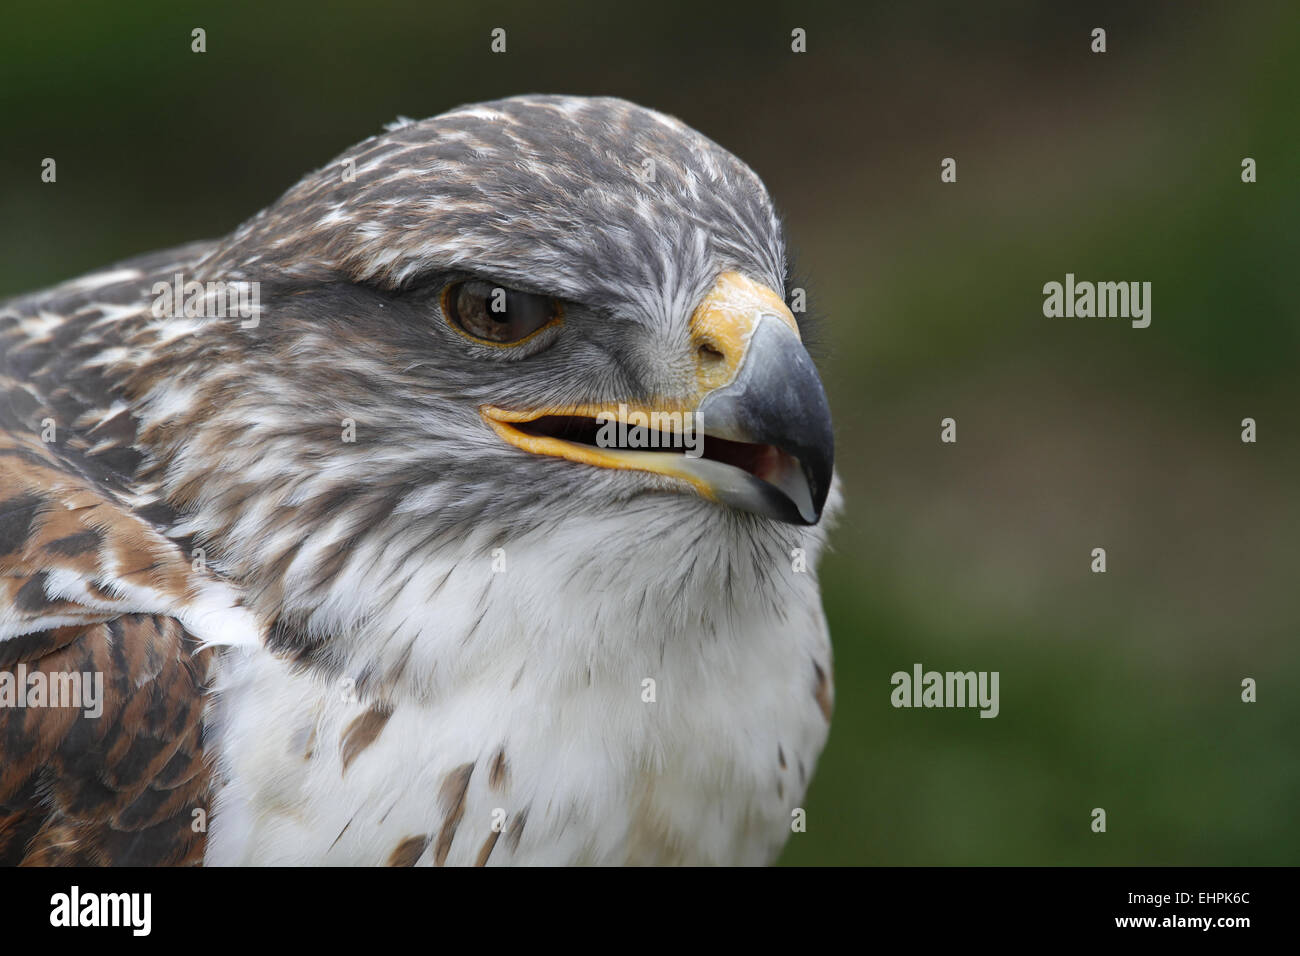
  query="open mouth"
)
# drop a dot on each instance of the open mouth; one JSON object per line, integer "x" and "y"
{"x": 764, "y": 462}
{"x": 753, "y": 476}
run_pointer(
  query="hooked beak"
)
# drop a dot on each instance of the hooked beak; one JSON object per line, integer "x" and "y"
{"x": 758, "y": 417}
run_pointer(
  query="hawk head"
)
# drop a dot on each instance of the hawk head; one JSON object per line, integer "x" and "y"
{"x": 454, "y": 317}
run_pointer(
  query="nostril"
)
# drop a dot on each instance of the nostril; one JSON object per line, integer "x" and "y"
{"x": 709, "y": 354}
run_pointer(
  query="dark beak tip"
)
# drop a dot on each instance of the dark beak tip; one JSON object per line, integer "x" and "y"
{"x": 819, "y": 468}
{"x": 820, "y": 494}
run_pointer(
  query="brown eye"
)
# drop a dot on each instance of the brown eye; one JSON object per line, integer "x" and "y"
{"x": 495, "y": 314}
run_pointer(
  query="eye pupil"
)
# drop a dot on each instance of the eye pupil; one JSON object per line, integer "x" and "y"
{"x": 493, "y": 314}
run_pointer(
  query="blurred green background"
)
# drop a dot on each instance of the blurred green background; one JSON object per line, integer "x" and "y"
{"x": 1120, "y": 690}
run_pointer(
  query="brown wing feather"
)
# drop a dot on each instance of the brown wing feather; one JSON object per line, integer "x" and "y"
{"x": 121, "y": 788}
{"x": 89, "y": 586}
{"x": 70, "y": 552}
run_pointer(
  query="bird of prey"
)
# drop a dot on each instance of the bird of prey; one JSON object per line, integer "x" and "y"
{"x": 355, "y": 563}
